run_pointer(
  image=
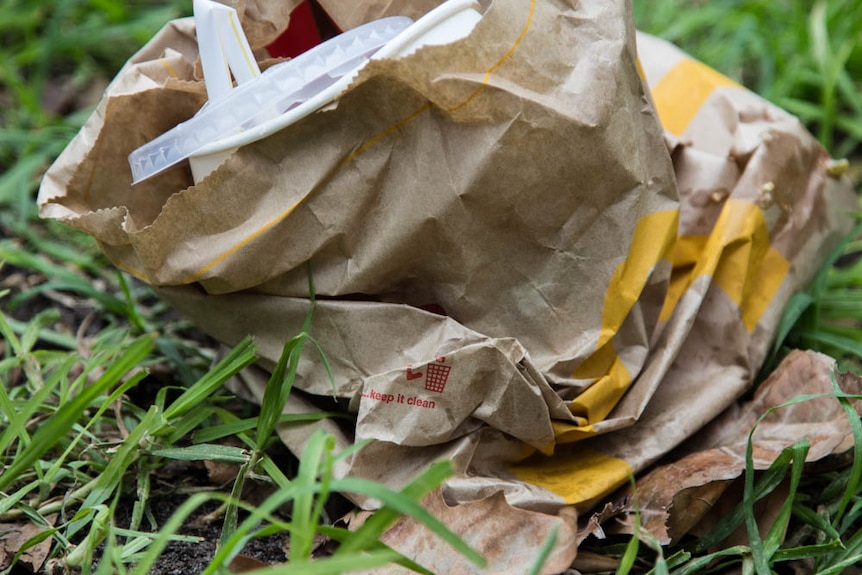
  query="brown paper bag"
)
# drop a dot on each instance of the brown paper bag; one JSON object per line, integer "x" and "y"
{"x": 492, "y": 230}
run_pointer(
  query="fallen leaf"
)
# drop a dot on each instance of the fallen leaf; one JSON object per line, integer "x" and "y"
{"x": 221, "y": 472}
{"x": 593, "y": 526}
{"x": 673, "y": 498}
{"x": 321, "y": 545}
{"x": 245, "y": 564}
{"x": 509, "y": 538}
{"x": 765, "y": 510}
{"x": 587, "y": 562}
{"x": 12, "y": 538}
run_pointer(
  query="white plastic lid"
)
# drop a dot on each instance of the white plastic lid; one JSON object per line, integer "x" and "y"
{"x": 277, "y": 90}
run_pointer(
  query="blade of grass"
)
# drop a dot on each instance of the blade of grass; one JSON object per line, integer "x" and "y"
{"x": 273, "y": 472}
{"x": 627, "y": 561}
{"x": 188, "y": 423}
{"x": 143, "y": 486}
{"x": 318, "y": 448}
{"x": 67, "y": 415}
{"x": 807, "y": 551}
{"x": 35, "y": 326}
{"x": 229, "y": 532}
{"x": 770, "y": 479}
{"x": 214, "y": 432}
{"x": 775, "y": 536}
{"x": 840, "y": 567}
{"x": 340, "y": 535}
{"x": 812, "y": 518}
{"x": 6, "y": 329}
{"x": 545, "y": 552}
{"x": 18, "y": 415}
{"x": 82, "y": 554}
{"x": 205, "y": 452}
{"x": 334, "y": 565}
{"x": 281, "y": 382}
{"x": 698, "y": 564}
{"x": 679, "y": 558}
{"x": 855, "y": 476}
{"x": 131, "y": 310}
{"x": 278, "y": 388}
{"x": 242, "y": 355}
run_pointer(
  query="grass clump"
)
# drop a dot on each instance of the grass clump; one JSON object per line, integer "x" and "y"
{"x": 73, "y": 447}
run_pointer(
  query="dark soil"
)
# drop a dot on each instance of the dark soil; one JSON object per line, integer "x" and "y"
{"x": 187, "y": 558}
{"x": 182, "y": 558}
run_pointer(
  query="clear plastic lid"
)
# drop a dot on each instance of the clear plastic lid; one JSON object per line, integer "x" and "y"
{"x": 277, "y": 90}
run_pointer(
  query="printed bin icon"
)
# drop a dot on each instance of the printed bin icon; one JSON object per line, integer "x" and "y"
{"x": 435, "y": 377}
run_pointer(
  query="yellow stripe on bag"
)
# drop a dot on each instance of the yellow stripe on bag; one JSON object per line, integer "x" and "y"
{"x": 578, "y": 475}
{"x": 565, "y": 432}
{"x": 653, "y": 240}
{"x": 127, "y": 268}
{"x": 597, "y": 401}
{"x": 739, "y": 257}
{"x": 682, "y": 91}
{"x": 685, "y": 258}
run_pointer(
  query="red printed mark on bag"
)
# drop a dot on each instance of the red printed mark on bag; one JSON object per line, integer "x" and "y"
{"x": 436, "y": 375}
{"x": 412, "y": 401}
{"x": 411, "y": 375}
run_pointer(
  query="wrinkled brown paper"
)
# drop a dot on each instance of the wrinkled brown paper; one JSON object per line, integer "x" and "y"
{"x": 509, "y": 539}
{"x": 678, "y": 496}
{"x": 507, "y": 201}
{"x": 506, "y": 273}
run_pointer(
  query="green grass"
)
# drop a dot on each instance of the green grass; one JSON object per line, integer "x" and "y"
{"x": 65, "y": 451}
{"x": 51, "y": 51}
{"x": 79, "y": 338}
{"x": 804, "y": 55}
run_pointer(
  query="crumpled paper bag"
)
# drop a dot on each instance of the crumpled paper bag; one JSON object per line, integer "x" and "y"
{"x": 506, "y": 275}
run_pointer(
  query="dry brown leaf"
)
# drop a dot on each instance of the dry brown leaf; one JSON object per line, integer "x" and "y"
{"x": 509, "y": 538}
{"x": 220, "y": 472}
{"x": 675, "y": 497}
{"x": 14, "y": 535}
{"x": 766, "y": 510}
{"x": 245, "y": 564}
{"x": 587, "y": 562}
{"x": 593, "y": 526}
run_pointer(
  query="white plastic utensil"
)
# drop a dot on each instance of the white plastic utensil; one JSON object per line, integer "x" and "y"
{"x": 287, "y": 92}
{"x": 223, "y": 48}
{"x": 279, "y": 89}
